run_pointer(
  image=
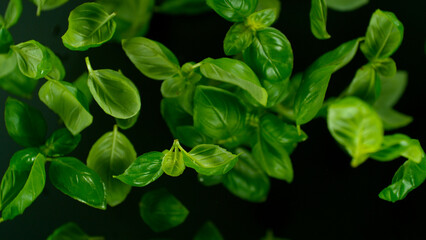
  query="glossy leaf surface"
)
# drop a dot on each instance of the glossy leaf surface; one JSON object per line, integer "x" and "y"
{"x": 174, "y": 115}
{"x": 233, "y": 10}
{"x": 173, "y": 163}
{"x": 182, "y": 7}
{"x": 318, "y": 18}
{"x": 58, "y": 70}
{"x": 33, "y": 59}
{"x": 262, "y": 19}
{"x": 60, "y": 143}
{"x": 127, "y": 123}
{"x": 397, "y": 145}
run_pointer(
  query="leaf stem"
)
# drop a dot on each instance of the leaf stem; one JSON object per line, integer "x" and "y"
{"x": 299, "y": 131}
{"x": 197, "y": 65}
{"x": 89, "y": 66}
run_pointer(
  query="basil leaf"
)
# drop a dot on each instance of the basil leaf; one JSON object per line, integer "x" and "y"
{"x": 318, "y": 18}
{"x": 152, "y": 58}
{"x": 174, "y": 115}
{"x": 234, "y": 72}
{"x": 246, "y": 180}
{"x": 68, "y": 102}
{"x": 45, "y": 5}
{"x": 287, "y": 98}
{"x": 173, "y": 163}
{"x": 6, "y": 40}
{"x": 269, "y": 4}
{"x": 16, "y": 175}
{"x": 144, "y": 170}
{"x": 13, "y": 13}
{"x": 76, "y": 180}
{"x": 133, "y": 16}
{"x": 182, "y": 7}
{"x": 191, "y": 137}
{"x": 273, "y": 159}
{"x": 345, "y": 5}
{"x": 71, "y": 231}
{"x": 89, "y": 25}
{"x": 356, "y": 126}
{"x": 365, "y": 85}
{"x": 238, "y": 38}
{"x": 262, "y": 19}
{"x": 210, "y": 180}
{"x": 33, "y": 59}
{"x": 208, "y": 232}
{"x": 173, "y": 87}
{"x": 111, "y": 155}
{"x": 393, "y": 119}
{"x": 127, "y": 123}
{"x": 209, "y": 159}
{"x": 28, "y": 191}
{"x": 24, "y": 124}
{"x": 103, "y": 85}
{"x": 58, "y": 70}
{"x": 397, "y": 145}
{"x": 270, "y": 55}
{"x": 81, "y": 84}
{"x": 60, "y": 143}
{"x": 311, "y": 93}
{"x": 161, "y": 211}
{"x": 385, "y": 67}
{"x": 384, "y": 35}
{"x": 217, "y": 113}
{"x": 233, "y": 10}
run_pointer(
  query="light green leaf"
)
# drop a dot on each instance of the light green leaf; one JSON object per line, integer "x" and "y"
{"x": 33, "y": 59}
{"x": 81, "y": 84}
{"x": 365, "y": 85}
{"x": 13, "y": 13}
{"x": 60, "y": 143}
{"x": 261, "y": 19}
{"x": 345, "y": 5}
{"x": 190, "y": 136}
{"x": 208, "y": 232}
{"x": 238, "y": 38}
{"x": 269, "y": 4}
{"x": 127, "y": 123}
{"x": 318, "y": 18}
{"x": 173, "y": 163}
{"x": 233, "y": 10}
{"x": 397, "y": 145}
{"x": 174, "y": 87}
{"x": 385, "y": 67}
{"x": 6, "y": 40}
{"x": 58, "y": 70}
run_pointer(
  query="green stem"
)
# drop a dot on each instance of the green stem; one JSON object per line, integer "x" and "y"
{"x": 89, "y": 66}
{"x": 197, "y": 65}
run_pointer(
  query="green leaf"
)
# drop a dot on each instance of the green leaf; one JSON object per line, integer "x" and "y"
{"x": 233, "y": 10}
{"x": 384, "y": 35}
{"x": 76, "y": 180}
{"x": 218, "y": 113}
{"x": 270, "y": 55}
{"x": 393, "y": 119}
{"x": 397, "y": 145}
{"x": 262, "y": 19}
{"x": 25, "y": 124}
{"x": 188, "y": 7}
{"x": 385, "y": 67}
{"x": 238, "y": 38}
{"x": 345, "y": 5}
{"x": 234, "y": 72}
{"x": 174, "y": 115}
{"x": 60, "y": 143}
{"x": 144, "y": 170}
{"x": 210, "y": 180}
{"x": 103, "y": 85}
{"x": 273, "y": 159}
{"x": 33, "y": 59}
{"x": 71, "y": 231}
{"x": 190, "y": 136}
{"x": 28, "y": 192}
{"x": 152, "y": 58}
{"x": 13, "y": 13}
{"x": 208, "y": 232}
{"x": 68, "y": 102}
{"x": 173, "y": 163}
{"x": 408, "y": 177}
{"x": 246, "y": 180}
{"x": 311, "y": 93}
{"x": 127, "y": 123}
{"x": 161, "y": 211}
{"x": 287, "y": 99}
{"x": 45, "y": 5}
{"x": 209, "y": 159}
{"x": 58, "y": 70}
{"x": 111, "y": 155}
{"x": 318, "y": 18}
{"x": 81, "y": 84}
{"x": 173, "y": 87}
{"x": 356, "y": 126}
{"x": 269, "y": 4}
{"x": 365, "y": 85}
{"x": 89, "y": 25}
{"x": 6, "y": 40}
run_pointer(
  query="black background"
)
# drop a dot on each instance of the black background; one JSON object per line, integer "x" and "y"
{"x": 327, "y": 200}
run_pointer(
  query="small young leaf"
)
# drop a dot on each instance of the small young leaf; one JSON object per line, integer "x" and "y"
{"x": 209, "y": 159}
{"x": 76, "y": 180}
{"x": 345, "y": 5}
{"x": 262, "y": 19}
{"x": 356, "y": 126}
{"x": 233, "y": 10}
{"x": 13, "y": 13}
{"x": 60, "y": 143}
{"x": 152, "y": 58}
{"x": 25, "y": 124}
{"x": 365, "y": 85}
{"x": 208, "y": 232}
{"x": 173, "y": 87}
{"x": 384, "y": 35}
{"x": 89, "y": 26}
{"x": 385, "y": 67}
{"x": 318, "y": 18}
{"x": 161, "y": 211}
{"x": 127, "y": 123}
{"x": 238, "y": 38}
{"x": 173, "y": 163}
{"x": 68, "y": 102}
{"x": 144, "y": 170}
{"x": 33, "y": 59}
{"x": 111, "y": 155}
{"x": 6, "y": 40}
{"x": 71, "y": 231}
{"x": 397, "y": 145}
{"x": 103, "y": 85}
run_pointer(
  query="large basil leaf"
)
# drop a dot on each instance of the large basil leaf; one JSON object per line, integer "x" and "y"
{"x": 68, "y": 102}
{"x": 13, "y": 13}
{"x": 246, "y": 180}
{"x": 6, "y": 40}
{"x": 365, "y": 85}
{"x": 27, "y": 192}
{"x": 89, "y": 26}
{"x": 397, "y": 145}
{"x": 217, "y": 113}
{"x": 173, "y": 163}
{"x": 152, "y": 58}
{"x": 270, "y": 55}
{"x": 236, "y": 73}
{"x": 208, "y": 232}
{"x": 408, "y": 177}
{"x": 71, "y": 231}
{"x": 76, "y": 180}
{"x": 103, "y": 85}
{"x": 345, "y": 5}
{"x": 161, "y": 211}
{"x": 111, "y": 155}
{"x": 356, "y": 126}
{"x": 144, "y": 170}
{"x": 25, "y": 124}
{"x": 182, "y": 7}
{"x": 233, "y": 10}
{"x": 311, "y": 93}
{"x": 60, "y": 143}
{"x": 318, "y": 18}
{"x": 174, "y": 115}
{"x": 384, "y": 35}
{"x": 209, "y": 159}
{"x": 238, "y": 38}
{"x": 33, "y": 59}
